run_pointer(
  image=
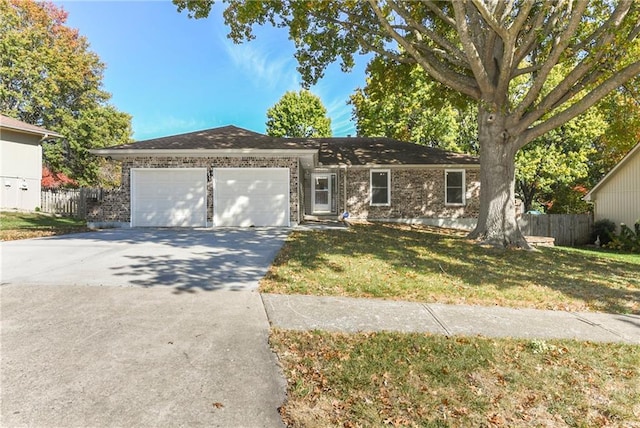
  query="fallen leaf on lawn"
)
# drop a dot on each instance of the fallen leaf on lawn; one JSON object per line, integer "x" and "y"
{"x": 496, "y": 419}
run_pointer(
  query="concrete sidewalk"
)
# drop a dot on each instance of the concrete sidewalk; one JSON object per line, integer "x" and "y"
{"x": 343, "y": 314}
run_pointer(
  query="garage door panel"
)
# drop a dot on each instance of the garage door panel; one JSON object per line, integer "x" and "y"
{"x": 166, "y": 197}
{"x": 251, "y": 197}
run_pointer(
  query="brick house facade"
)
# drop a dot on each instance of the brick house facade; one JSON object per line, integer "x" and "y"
{"x": 115, "y": 204}
{"x": 416, "y": 193}
{"x": 370, "y": 178}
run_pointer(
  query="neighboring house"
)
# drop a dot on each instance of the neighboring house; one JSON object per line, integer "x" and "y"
{"x": 617, "y": 196}
{"x": 234, "y": 177}
{"x": 21, "y": 163}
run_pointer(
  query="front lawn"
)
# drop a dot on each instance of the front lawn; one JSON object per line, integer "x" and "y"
{"x": 426, "y": 264}
{"x": 17, "y": 225}
{"x": 393, "y": 379}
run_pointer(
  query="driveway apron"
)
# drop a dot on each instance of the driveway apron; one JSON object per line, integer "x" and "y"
{"x": 138, "y": 328}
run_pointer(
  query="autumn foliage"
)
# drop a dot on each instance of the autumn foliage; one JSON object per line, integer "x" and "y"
{"x": 51, "y": 78}
{"x": 55, "y": 180}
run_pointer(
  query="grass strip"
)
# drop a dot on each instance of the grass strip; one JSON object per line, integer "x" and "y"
{"x": 394, "y": 379}
{"x": 425, "y": 264}
{"x": 17, "y": 225}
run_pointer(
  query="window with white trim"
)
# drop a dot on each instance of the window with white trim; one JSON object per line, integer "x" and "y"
{"x": 380, "y": 182}
{"x": 454, "y": 187}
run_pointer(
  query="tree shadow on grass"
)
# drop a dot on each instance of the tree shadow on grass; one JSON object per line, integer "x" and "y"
{"x": 599, "y": 284}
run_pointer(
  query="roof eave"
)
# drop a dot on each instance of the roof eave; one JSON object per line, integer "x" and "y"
{"x": 44, "y": 134}
{"x": 410, "y": 165}
{"x": 123, "y": 153}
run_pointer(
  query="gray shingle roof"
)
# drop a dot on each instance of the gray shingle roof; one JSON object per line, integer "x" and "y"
{"x": 331, "y": 151}
{"x": 385, "y": 151}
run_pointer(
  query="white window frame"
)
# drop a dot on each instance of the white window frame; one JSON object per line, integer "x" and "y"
{"x": 388, "y": 172}
{"x": 464, "y": 189}
{"x": 331, "y": 177}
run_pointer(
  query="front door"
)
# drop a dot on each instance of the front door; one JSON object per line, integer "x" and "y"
{"x": 321, "y": 191}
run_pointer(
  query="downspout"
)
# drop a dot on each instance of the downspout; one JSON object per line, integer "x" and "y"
{"x": 344, "y": 188}
{"x": 301, "y": 204}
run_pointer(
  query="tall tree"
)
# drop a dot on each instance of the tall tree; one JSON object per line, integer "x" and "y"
{"x": 298, "y": 114}
{"x": 49, "y": 77}
{"x": 481, "y": 49}
{"x": 412, "y": 107}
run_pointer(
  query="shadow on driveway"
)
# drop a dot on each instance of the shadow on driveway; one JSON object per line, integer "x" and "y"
{"x": 186, "y": 259}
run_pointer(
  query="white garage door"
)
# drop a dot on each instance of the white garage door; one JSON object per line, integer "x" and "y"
{"x": 251, "y": 197}
{"x": 169, "y": 197}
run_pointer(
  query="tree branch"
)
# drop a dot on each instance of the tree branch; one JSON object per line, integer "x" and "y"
{"x": 575, "y": 81}
{"x": 488, "y": 17}
{"x": 450, "y": 48}
{"x": 438, "y": 12}
{"x": 470, "y": 50}
{"x": 581, "y": 106}
{"x": 441, "y": 75}
{"x": 536, "y": 30}
{"x": 562, "y": 40}
{"x": 613, "y": 22}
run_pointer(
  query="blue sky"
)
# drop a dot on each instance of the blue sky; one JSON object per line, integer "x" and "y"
{"x": 174, "y": 74}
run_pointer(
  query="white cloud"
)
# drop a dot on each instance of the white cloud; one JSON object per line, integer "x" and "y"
{"x": 166, "y": 125}
{"x": 268, "y": 63}
{"x": 337, "y": 108}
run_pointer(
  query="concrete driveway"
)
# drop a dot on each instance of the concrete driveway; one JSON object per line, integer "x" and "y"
{"x": 138, "y": 328}
{"x": 181, "y": 259}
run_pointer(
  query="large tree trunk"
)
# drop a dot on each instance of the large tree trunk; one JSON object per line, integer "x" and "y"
{"x": 497, "y": 225}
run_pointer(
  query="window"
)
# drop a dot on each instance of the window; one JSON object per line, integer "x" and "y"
{"x": 380, "y": 187}
{"x": 454, "y": 187}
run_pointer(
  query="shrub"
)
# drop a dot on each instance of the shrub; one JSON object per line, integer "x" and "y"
{"x": 603, "y": 230}
{"x": 627, "y": 240}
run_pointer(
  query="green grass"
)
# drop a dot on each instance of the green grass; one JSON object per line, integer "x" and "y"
{"x": 17, "y": 225}
{"x": 393, "y": 379}
{"x": 425, "y": 264}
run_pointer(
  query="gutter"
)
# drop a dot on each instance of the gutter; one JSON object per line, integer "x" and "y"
{"x": 120, "y": 153}
{"x": 44, "y": 135}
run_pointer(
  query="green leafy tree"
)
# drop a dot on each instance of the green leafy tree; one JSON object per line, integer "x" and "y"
{"x": 400, "y": 101}
{"x": 298, "y": 114}
{"x": 49, "y": 77}
{"x": 410, "y": 106}
{"x": 481, "y": 49}
{"x": 557, "y": 161}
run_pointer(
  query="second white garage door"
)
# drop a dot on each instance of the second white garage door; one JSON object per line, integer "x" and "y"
{"x": 251, "y": 197}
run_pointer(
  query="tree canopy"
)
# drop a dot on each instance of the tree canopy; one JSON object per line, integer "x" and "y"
{"x": 400, "y": 101}
{"x": 298, "y": 114}
{"x": 410, "y": 106}
{"x": 49, "y": 77}
{"x": 530, "y": 65}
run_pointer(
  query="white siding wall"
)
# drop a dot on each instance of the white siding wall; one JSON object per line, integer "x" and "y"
{"x": 618, "y": 199}
{"x": 20, "y": 171}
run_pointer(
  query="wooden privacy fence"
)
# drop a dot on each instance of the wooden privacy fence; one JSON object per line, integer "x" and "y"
{"x": 68, "y": 202}
{"x": 567, "y": 229}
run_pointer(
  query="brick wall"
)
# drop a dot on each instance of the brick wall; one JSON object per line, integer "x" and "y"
{"x": 415, "y": 193}
{"x": 115, "y": 205}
